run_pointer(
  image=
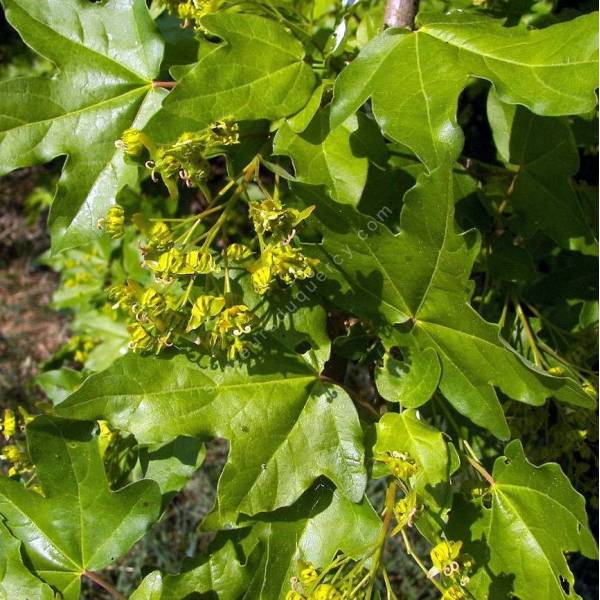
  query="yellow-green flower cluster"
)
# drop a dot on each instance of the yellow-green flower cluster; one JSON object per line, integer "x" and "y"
{"x": 452, "y": 566}
{"x": 186, "y": 159}
{"x": 175, "y": 262}
{"x": 114, "y": 222}
{"x": 192, "y": 301}
{"x": 191, "y": 11}
{"x": 224, "y": 328}
{"x": 342, "y": 579}
{"x": 400, "y": 464}
{"x": 80, "y": 346}
{"x": 405, "y": 510}
{"x": 270, "y": 216}
{"x": 176, "y": 313}
{"x": 15, "y": 453}
{"x": 275, "y": 226}
{"x": 156, "y": 316}
{"x": 285, "y": 263}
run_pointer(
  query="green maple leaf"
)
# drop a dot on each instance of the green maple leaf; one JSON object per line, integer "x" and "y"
{"x": 321, "y": 523}
{"x": 414, "y": 79}
{"x": 420, "y": 277}
{"x": 411, "y": 381}
{"x": 173, "y": 464}
{"x": 16, "y": 580}
{"x": 544, "y": 153}
{"x": 436, "y": 461}
{"x": 257, "y": 72}
{"x": 78, "y": 524}
{"x": 519, "y": 542}
{"x": 219, "y": 572}
{"x": 285, "y": 426}
{"x": 275, "y": 546}
{"x": 106, "y": 57}
{"x": 337, "y": 159}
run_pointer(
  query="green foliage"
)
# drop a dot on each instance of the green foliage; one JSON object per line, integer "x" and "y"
{"x": 365, "y": 257}
{"x": 101, "y": 88}
{"x": 78, "y": 524}
{"x": 534, "y": 510}
{"x": 533, "y": 68}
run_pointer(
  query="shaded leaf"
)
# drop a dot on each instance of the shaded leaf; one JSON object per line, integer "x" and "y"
{"x": 337, "y": 159}
{"x": 414, "y": 78}
{"x": 173, "y": 464}
{"x": 412, "y": 381}
{"x": 544, "y": 152}
{"x": 273, "y": 411}
{"x": 78, "y": 524}
{"x": 230, "y": 79}
{"x": 420, "y": 277}
{"x": 59, "y": 383}
{"x": 16, "y": 580}
{"x": 311, "y": 531}
{"x": 519, "y": 543}
{"x": 220, "y": 573}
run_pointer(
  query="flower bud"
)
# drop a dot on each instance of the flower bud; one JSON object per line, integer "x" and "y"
{"x": 114, "y": 222}
{"x": 131, "y": 142}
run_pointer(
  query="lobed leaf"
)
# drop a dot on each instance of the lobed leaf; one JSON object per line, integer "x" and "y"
{"x": 16, "y": 580}
{"x": 544, "y": 152}
{"x": 285, "y": 426}
{"x": 414, "y": 79}
{"x": 338, "y": 158}
{"x": 78, "y": 523}
{"x": 420, "y": 277}
{"x": 230, "y": 79}
{"x": 406, "y": 433}
{"x": 519, "y": 542}
{"x": 106, "y": 56}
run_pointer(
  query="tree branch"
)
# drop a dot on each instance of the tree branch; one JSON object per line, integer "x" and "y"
{"x": 401, "y": 13}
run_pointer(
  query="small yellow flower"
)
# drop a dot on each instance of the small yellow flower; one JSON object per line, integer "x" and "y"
{"x": 203, "y": 308}
{"x": 400, "y": 464}
{"x": 261, "y": 280}
{"x": 235, "y": 348}
{"x": 289, "y": 264}
{"x": 131, "y": 142}
{"x": 152, "y": 302}
{"x": 405, "y": 511}
{"x": 238, "y": 252}
{"x": 236, "y": 320}
{"x": 141, "y": 340}
{"x": 308, "y": 575}
{"x": 114, "y": 222}
{"x": 160, "y": 236}
{"x": 326, "y": 591}
{"x": 9, "y": 424}
{"x": 200, "y": 262}
{"x": 454, "y": 593}
{"x": 18, "y": 457}
{"x": 444, "y": 557}
{"x": 270, "y": 216}
{"x": 292, "y": 595}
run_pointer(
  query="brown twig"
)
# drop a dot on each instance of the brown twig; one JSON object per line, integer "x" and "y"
{"x": 480, "y": 469}
{"x": 104, "y": 584}
{"x": 164, "y": 84}
{"x": 401, "y": 13}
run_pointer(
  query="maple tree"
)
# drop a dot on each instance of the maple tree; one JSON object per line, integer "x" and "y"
{"x": 260, "y": 199}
